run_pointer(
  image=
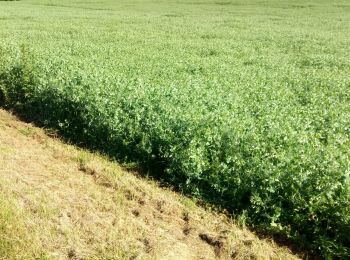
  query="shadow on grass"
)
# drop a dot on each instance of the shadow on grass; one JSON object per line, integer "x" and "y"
{"x": 155, "y": 171}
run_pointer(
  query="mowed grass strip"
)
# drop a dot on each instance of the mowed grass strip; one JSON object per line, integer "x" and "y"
{"x": 60, "y": 202}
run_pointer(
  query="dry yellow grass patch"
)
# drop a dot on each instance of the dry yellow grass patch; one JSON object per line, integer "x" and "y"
{"x": 60, "y": 202}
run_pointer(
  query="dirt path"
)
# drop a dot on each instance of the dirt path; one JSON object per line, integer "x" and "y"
{"x": 61, "y": 202}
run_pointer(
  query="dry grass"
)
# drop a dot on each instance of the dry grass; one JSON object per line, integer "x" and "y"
{"x": 60, "y": 202}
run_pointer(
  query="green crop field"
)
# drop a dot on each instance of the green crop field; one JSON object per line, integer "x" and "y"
{"x": 243, "y": 103}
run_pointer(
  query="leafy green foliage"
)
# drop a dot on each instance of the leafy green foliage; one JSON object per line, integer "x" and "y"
{"x": 241, "y": 103}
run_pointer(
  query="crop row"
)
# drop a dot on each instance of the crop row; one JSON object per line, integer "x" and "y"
{"x": 276, "y": 156}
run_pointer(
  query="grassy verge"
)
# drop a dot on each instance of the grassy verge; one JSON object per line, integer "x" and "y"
{"x": 16, "y": 239}
{"x": 60, "y": 202}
